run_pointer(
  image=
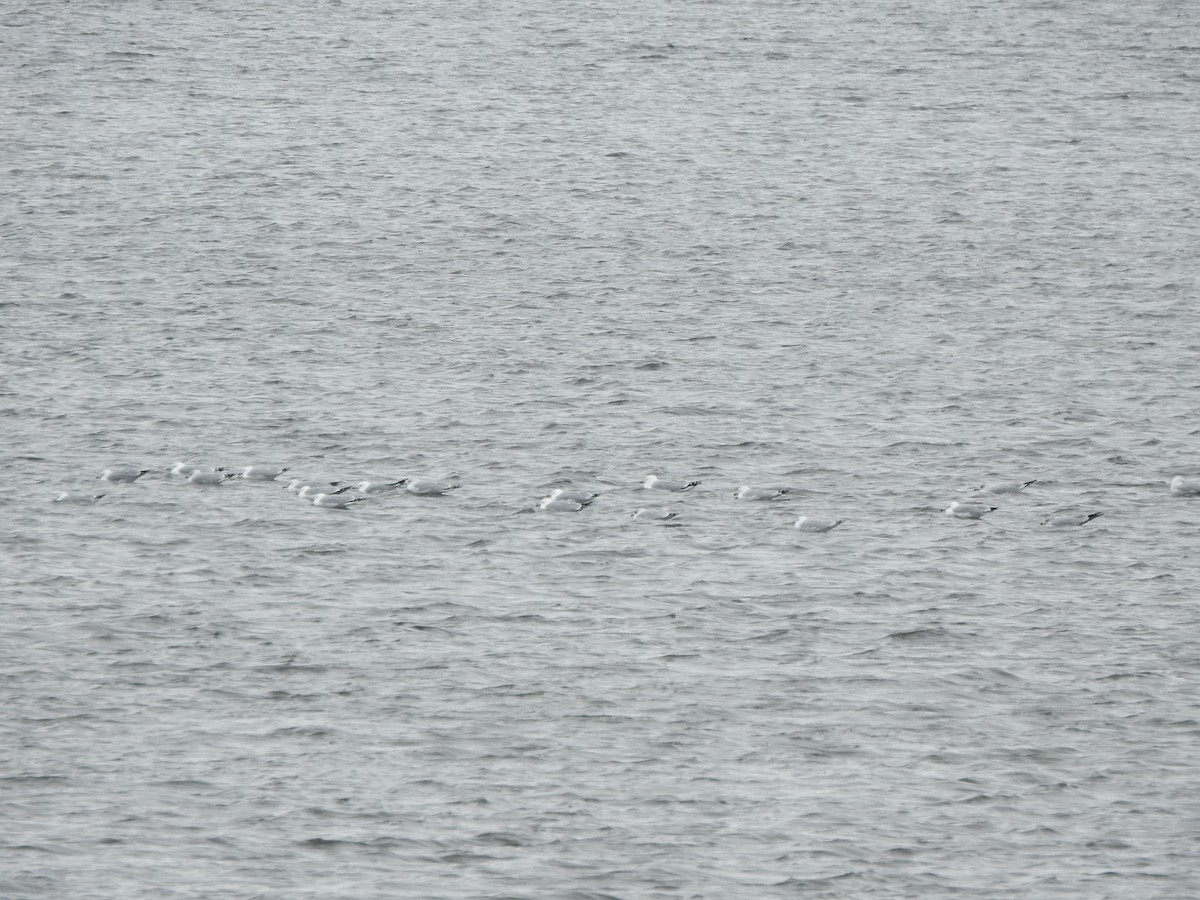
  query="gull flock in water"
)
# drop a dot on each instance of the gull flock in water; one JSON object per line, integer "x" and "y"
{"x": 337, "y": 494}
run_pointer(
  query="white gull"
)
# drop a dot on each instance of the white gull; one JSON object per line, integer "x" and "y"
{"x": 560, "y": 504}
{"x": 428, "y": 487}
{"x": 817, "y": 526}
{"x": 576, "y": 494}
{"x": 969, "y": 510}
{"x": 650, "y": 514}
{"x": 379, "y": 487}
{"x": 1005, "y": 487}
{"x": 745, "y": 492}
{"x": 335, "y": 500}
{"x": 262, "y": 473}
{"x": 654, "y": 483}
{"x": 1185, "y": 487}
{"x": 1069, "y": 520}
{"x": 122, "y": 473}
{"x": 209, "y": 476}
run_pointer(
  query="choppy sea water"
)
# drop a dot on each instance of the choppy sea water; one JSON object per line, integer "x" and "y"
{"x": 877, "y": 254}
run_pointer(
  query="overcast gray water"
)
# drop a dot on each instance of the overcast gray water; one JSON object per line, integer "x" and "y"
{"x": 875, "y": 253}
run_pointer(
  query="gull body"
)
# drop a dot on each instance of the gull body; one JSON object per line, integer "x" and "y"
{"x": 335, "y": 500}
{"x": 119, "y": 474}
{"x": 428, "y": 487}
{"x": 576, "y": 494}
{"x": 817, "y": 526}
{"x": 560, "y": 504}
{"x": 262, "y": 473}
{"x": 379, "y": 487}
{"x": 1185, "y": 487}
{"x": 209, "y": 476}
{"x": 745, "y": 492}
{"x": 1069, "y": 520}
{"x": 77, "y": 497}
{"x": 969, "y": 510}
{"x": 654, "y": 483}
{"x": 309, "y": 490}
{"x": 654, "y": 515}
{"x": 1005, "y": 487}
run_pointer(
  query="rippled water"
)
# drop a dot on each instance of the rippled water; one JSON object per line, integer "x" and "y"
{"x": 875, "y": 253}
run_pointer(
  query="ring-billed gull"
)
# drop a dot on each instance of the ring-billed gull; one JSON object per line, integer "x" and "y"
{"x": 309, "y": 490}
{"x": 654, "y": 483}
{"x": 745, "y": 492}
{"x": 576, "y": 494}
{"x": 210, "y": 476}
{"x": 561, "y": 504}
{"x": 335, "y": 500}
{"x": 298, "y": 484}
{"x": 653, "y": 514}
{"x": 428, "y": 487}
{"x": 1069, "y": 520}
{"x": 122, "y": 473}
{"x": 969, "y": 510}
{"x": 262, "y": 473}
{"x": 808, "y": 523}
{"x": 77, "y": 497}
{"x": 1005, "y": 487}
{"x": 379, "y": 487}
{"x": 1185, "y": 487}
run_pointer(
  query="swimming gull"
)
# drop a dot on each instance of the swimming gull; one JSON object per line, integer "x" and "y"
{"x": 1185, "y": 487}
{"x": 745, "y": 492}
{"x": 335, "y": 500}
{"x": 654, "y": 514}
{"x": 77, "y": 497}
{"x": 210, "y": 476}
{"x": 379, "y": 487}
{"x": 1069, "y": 520}
{"x": 817, "y": 526}
{"x": 579, "y": 496}
{"x": 969, "y": 510}
{"x": 428, "y": 487}
{"x": 654, "y": 483}
{"x": 560, "y": 504}
{"x": 1005, "y": 487}
{"x": 122, "y": 473}
{"x": 262, "y": 473}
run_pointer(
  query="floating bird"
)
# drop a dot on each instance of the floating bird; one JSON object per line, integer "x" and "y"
{"x": 210, "y": 476}
{"x": 817, "y": 526}
{"x": 308, "y": 491}
{"x": 297, "y": 485}
{"x": 1185, "y": 487}
{"x": 77, "y": 497}
{"x": 659, "y": 515}
{"x": 428, "y": 487}
{"x": 969, "y": 510}
{"x": 262, "y": 473}
{"x": 1005, "y": 487}
{"x": 1069, "y": 520}
{"x": 579, "y": 496}
{"x": 745, "y": 492}
{"x": 561, "y": 504}
{"x": 379, "y": 487}
{"x": 335, "y": 500}
{"x": 654, "y": 483}
{"x": 122, "y": 473}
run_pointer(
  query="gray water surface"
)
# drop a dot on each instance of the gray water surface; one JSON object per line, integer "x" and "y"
{"x": 877, "y": 254}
